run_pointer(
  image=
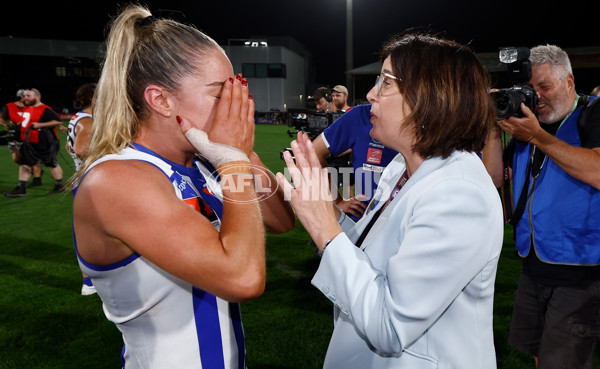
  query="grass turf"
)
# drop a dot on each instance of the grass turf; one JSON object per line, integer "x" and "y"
{"x": 46, "y": 323}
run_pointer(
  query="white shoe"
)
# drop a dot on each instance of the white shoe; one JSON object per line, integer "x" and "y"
{"x": 87, "y": 290}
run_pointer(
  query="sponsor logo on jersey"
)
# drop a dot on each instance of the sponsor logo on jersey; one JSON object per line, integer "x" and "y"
{"x": 374, "y": 156}
{"x": 372, "y": 168}
{"x": 375, "y": 143}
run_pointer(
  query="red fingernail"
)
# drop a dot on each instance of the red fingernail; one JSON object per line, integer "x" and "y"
{"x": 178, "y": 119}
{"x": 239, "y": 77}
{"x": 231, "y": 79}
{"x": 244, "y": 82}
{"x": 250, "y": 97}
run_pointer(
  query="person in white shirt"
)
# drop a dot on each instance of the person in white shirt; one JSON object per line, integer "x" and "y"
{"x": 413, "y": 280}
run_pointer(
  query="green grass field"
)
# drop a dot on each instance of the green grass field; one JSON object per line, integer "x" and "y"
{"x": 46, "y": 323}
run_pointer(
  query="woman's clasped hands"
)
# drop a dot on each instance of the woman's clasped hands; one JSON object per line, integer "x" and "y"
{"x": 309, "y": 192}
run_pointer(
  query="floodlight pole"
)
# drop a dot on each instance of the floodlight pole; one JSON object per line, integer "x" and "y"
{"x": 349, "y": 49}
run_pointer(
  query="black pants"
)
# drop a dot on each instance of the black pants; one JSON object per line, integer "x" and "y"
{"x": 45, "y": 150}
{"x": 559, "y": 325}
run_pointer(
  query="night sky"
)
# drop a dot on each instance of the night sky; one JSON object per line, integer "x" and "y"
{"x": 320, "y": 24}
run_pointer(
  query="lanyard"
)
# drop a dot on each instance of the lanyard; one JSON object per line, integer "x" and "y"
{"x": 401, "y": 182}
{"x": 395, "y": 192}
{"x": 560, "y": 125}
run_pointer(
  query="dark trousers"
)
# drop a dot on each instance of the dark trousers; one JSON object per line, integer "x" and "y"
{"x": 560, "y": 325}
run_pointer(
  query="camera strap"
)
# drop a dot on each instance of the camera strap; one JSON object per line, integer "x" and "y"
{"x": 506, "y": 189}
{"x": 365, "y": 231}
{"x": 514, "y": 218}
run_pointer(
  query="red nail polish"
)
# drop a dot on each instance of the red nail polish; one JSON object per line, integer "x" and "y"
{"x": 178, "y": 119}
{"x": 244, "y": 82}
{"x": 231, "y": 79}
{"x": 250, "y": 97}
{"x": 239, "y": 77}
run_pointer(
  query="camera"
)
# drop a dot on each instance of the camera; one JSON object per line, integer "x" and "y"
{"x": 7, "y": 137}
{"x": 313, "y": 123}
{"x": 310, "y": 122}
{"x": 508, "y": 100}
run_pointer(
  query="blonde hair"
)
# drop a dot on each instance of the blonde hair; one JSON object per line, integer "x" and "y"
{"x": 140, "y": 51}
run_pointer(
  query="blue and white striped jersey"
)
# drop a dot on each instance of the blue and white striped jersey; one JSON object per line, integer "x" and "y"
{"x": 165, "y": 321}
{"x": 71, "y": 135}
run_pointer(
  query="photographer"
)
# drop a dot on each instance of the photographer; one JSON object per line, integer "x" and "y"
{"x": 555, "y": 162}
{"x": 323, "y": 100}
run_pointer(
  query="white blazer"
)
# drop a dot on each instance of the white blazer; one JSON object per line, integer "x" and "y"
{"x": 419, "y": 292}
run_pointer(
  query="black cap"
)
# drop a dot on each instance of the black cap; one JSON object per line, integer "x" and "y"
{"x": 322, "y": 92}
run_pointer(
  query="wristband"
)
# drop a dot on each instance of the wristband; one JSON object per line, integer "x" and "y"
{"x": 324, "y": 247}
{"x": 216, "y": 153}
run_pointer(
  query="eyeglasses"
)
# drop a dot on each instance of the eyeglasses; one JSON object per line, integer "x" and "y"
{"x": 384, "y": 78}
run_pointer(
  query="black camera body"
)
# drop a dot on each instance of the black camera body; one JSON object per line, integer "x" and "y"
{"x": 8, "y": 136}
{"x": 311, "y": 122}
{"x": 314, "y": 123}
{"x": 508, "y": 100}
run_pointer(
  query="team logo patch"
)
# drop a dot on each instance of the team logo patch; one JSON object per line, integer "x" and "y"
{"x": 374, "y": 156}
{"x": 202, "y": 207}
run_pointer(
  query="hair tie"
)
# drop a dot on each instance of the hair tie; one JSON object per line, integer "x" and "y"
{"x": 146, "y": 21}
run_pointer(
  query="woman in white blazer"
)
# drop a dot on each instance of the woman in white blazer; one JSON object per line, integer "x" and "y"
{"x": 418, "y": 290}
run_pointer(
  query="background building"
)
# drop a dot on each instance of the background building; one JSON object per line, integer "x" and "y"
{"x": 280, "y": 71}
{"x": 277, "y": 68}
{"x": 55, "y": 67}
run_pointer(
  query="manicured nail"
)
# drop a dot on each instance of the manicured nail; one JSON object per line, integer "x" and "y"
{"x": 244, "y": 82}
{"x": 250, "y": 97}
{"x": 231, "y": 79}
{"x": 239, "y": 77}
{"x": 178, "y": 119}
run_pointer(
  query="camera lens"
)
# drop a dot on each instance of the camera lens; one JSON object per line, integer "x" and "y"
{"x": 508, "y": 103}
